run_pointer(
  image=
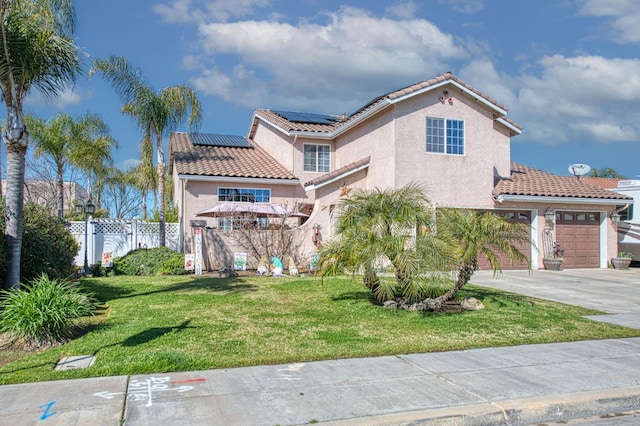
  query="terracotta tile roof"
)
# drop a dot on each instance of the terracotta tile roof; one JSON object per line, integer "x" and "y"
{"x": 339, "y": 172}
{"x": 344, "y": 121}
{"x": 229, "y": 161}
{"x": 602, "y": 182}
{"x": 528, "y": 181}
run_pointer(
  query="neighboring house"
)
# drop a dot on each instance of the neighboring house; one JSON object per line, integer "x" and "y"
{"x": 629, "y": 221}
{"x": 44, "y": 193}
{"x": 441, "y": 133}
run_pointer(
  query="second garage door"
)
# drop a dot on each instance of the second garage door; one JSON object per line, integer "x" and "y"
{"x": 578, "y": 234}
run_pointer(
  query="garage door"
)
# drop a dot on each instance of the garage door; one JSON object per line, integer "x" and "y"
{"x": 578, "y": 234}
{"x": 518, "y": 216}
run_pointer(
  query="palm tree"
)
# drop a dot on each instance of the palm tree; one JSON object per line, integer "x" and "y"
{"x": 155, "y": 113}
{"x": 471, "y": 234}
{"x": 386, "y": 227}
{"x": 37, "y": 50}
{"x": 84, "y": 143}
{"x": 144, "y": 177}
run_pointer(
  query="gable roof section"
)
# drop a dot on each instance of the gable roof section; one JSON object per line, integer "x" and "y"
{"x": 528, "y": 183}
{"x": 223, "y": 160}
{"x": 337, "y": 174}
{"x": 296, "y": 123}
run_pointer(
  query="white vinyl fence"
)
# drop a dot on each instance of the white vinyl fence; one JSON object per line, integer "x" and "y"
{"x": 120, "y": 236}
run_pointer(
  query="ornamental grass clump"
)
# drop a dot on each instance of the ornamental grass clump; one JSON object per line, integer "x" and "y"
{"x": 43, "y": 312}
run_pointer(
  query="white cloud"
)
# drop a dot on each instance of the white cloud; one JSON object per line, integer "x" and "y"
{"x": 128, "y": 164}
{"x": 581, "y": 98}
{"x": 178, "y": 11}
{"x": 404, "y": 10}
{"x": 185, "y": 11}
{"x": 624, "y": 16}
{"x": 464, "y": 6}
{"x": 68, "y": 97}
{"x": 323, "y": 66}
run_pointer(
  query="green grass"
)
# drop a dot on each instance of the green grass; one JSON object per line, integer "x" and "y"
{"x": 161, "y": 324}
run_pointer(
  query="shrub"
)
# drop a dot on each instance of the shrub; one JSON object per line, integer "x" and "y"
{"x": 47, "y": 245}
{"x": 44, "y": 311}
{"x": 155, "y": 261}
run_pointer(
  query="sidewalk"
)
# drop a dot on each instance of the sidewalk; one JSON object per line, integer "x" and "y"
{"x": 516, "y": 385}
{"x": 512, "y": 385}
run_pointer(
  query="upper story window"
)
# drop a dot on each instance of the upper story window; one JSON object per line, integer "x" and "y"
{"x": 445, "y": 136}
{"x": 316, "y": 158}
{"x": 244, "y": 195}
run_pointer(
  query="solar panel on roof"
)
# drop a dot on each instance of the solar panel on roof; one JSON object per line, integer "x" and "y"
{"x": 308, "y": 117}
{"x": 209, "y": 139}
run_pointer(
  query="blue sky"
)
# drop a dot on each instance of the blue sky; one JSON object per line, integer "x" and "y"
{"x": 568, "y": 71}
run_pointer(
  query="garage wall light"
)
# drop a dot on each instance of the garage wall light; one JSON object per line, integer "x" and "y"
{"x": 615, "y": 217}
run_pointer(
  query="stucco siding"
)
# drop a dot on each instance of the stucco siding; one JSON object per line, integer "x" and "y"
{"x": 452, "y": 180}
{"x": 276, "y": 143}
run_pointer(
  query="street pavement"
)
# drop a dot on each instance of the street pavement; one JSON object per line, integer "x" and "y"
{"x": 589, "y": 382}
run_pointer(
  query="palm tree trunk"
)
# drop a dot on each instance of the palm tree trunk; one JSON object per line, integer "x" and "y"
{"x": 371, "y": 281}
{"x": 16, "y": 151}
{"x": 60, "y": 192}
{"x": 464, "y": 275}
{"x": 161, "y": 183}
{"x": 144, "y": 205}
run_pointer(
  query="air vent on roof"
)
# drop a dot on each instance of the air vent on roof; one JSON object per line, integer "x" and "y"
{"x": 209, "y": 139}
{"x": 308, "y": 117}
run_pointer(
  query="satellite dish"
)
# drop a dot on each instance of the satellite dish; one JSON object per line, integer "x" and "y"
{"x": 579, "y": 169}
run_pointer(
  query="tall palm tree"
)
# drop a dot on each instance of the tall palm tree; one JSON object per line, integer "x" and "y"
{"x": 471, "y": 234}
{"x": 84, "y": 143}
{"x": 386, "y": 227}
{"x": 155, "y": 113}
{"x": 36, "y": 50}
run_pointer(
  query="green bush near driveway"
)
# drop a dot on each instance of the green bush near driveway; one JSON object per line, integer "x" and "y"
{"x": 183, "y": 323}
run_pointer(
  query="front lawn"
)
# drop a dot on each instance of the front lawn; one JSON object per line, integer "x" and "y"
{"x": 161, "y": 324}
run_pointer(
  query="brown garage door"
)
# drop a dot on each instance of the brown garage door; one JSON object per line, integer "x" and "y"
{"x": 578, "y": 234}
{"x": 519, "y": 216}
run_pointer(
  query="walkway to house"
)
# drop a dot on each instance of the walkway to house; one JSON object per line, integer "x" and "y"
{"x": 511, "y": 385}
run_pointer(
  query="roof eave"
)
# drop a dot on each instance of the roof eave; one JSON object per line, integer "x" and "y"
{"x": 510, "y": 126}
{"x": 567, "y": 200}
{"x": 500, "y": 111}
{"x": 271, "y": 181}
{"x": 313, "y": 187}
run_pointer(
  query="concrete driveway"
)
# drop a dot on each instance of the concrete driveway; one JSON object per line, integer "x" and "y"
{"x": 612, "y": 291}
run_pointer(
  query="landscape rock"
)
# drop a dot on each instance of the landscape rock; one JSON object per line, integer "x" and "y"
{"x": 471, "y": 304}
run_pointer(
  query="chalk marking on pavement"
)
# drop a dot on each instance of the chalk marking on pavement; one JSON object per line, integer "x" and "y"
{"x": 47, "y": 413}
{"x": 144, "y": 390}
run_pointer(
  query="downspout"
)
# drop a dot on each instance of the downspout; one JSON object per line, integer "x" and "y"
{"x": 623, "y": 208}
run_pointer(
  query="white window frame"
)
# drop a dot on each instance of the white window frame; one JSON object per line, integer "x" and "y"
{"x": 317, "y": 159}
{"x": 268, "y": 191}
{"x": 445, "y": 139}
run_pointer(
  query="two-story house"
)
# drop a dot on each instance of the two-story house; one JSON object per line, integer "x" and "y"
{"x": 441, "y": 133}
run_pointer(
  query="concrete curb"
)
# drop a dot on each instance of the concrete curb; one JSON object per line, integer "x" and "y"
{"x": 528, "y": 411}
